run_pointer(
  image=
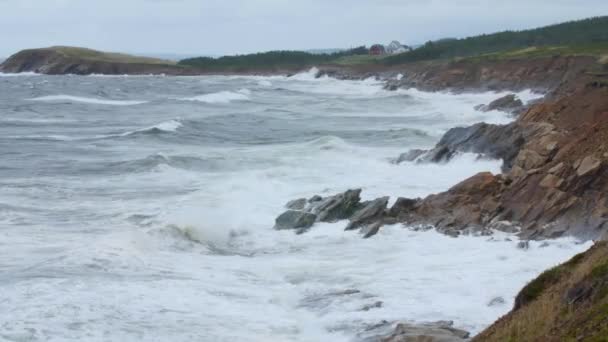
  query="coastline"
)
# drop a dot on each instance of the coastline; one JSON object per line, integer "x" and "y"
{"x": 556, "y": 178}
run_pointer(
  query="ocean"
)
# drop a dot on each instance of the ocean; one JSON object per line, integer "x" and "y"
{"x": 142, "y": 209}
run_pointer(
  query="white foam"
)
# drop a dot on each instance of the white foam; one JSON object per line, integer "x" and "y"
{"x": 219, "y": 97}
{"x": 167, "y": 126}
{"x": 70, "y": 98}
{"x": 19, "y": 74}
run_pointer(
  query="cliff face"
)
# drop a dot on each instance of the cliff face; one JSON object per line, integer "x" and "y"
{"x": 566, "y": 303}
{"x": 556, "y": 185}
{"x": 67, "y": 60}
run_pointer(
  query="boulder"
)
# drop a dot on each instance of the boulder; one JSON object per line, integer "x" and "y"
{"x": 509, "y": 103}
{"x": 371, "y": 229}
{"x": 298, "y": 204}
{"x": 295, "y": 219}
{"x": 491, "y": 141}
{"x": 370, "y": 211}
{"x": 338, "y": 207}
{"x": 442, "y": 331}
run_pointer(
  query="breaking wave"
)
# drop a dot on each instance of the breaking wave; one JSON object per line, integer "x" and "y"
{"x": 89, "y": 100}
{"x": 221, "y": 97}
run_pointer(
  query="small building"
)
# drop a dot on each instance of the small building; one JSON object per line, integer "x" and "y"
{"x": 377, "y": 50}
{"x": 395, "y": 47}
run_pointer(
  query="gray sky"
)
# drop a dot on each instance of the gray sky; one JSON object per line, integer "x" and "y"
{"x": 242, "y": 26}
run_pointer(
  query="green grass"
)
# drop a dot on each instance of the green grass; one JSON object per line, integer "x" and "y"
{"x": 590, "y": 31}
{"x": 358, "y": 60}
{"x": 112, "y": 57}
{"x": 599, "y": 50}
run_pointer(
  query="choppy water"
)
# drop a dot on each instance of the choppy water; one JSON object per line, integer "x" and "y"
{"x": 141, "y": 208}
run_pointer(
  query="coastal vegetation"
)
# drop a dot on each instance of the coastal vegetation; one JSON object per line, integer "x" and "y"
{"x": 582, "y": 36}
{"x": 270, "y": 60}
{"x": 101, "y": 56}
{"x": 566, "y": 303}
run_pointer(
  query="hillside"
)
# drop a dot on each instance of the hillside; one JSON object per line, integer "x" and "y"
{"x": 75, "y": 60}
{"x": 584, "y": 34}
{"x": 271, "y": 60}
{"x": 566, "y": 303}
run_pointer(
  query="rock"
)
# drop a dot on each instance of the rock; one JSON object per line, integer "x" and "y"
{"x": 551, "y": 181}
{"x": 588, "y": 166}
{"x": 372, "y": 210}
{"x": 402, "y": 206}
{"x": 492, "y": 141}
{"x": 338, "y": 207}
{"x": 557, "y": 168}
{"x": 496, "y": 301}
{"x": 375, "y": 305}
{"x": 504, "y": 226}
{"x": 410, "y": 156}
{"x": 509, "y": 103}
{"x": 371, "y": 229}
{"x": 523, "y": 245}
{"x": 295, "y": 219}
{"x": 298, "y": 204}
{"x": 442, "y": 331}
{"x": 315, "y": 198}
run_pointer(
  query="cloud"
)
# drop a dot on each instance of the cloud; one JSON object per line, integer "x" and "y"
{"x": 240, "y": 26}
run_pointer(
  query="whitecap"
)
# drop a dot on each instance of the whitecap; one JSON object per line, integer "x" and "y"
{"x": 70, "y": 98}
{"x": 166, "y": 126}
{"x": 19, "y": 74}
{"x": 219, "y": 97}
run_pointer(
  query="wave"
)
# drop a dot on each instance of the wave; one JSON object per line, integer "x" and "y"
{"x": 221, "y": 97}
{"x": 89, "y": 100}
{"x": 166, "y": 126}
{"x": 19, "y": 74}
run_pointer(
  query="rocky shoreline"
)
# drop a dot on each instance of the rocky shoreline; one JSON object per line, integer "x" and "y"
{"x": 555, "y": 173}
{"x": 554, "y": 179}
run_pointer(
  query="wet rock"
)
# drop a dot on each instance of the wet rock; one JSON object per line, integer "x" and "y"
{"x": 497, "y": 301}
{"x": 315, "y": 198}
{"x": 370, "y": 211}
{"x": 375, "y": 305}
{"x": 410, "y": 156}
{"x": 491, "y": 141}
{"x": 523, "y": 245}
{"x": 509, "y": 103}
{"x": 371, "y": 229}
{"x": 442, "y": 331}
{"x": 338, "y": 207}
{"x": 295, "y": 219}
{"x": 298, "y": 204}
{"x": 504, "y": 226}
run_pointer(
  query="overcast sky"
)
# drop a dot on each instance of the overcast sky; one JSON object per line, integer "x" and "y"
{"x": 241, "y": 26}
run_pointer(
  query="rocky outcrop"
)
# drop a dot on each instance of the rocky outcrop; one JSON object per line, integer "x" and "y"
{"x": 302, "y": 213}
{"x": 490, "y": 141}
{"x": 554, "y": 181}
{"x": 441, "y": 331}
{"x": 508, "y": 103}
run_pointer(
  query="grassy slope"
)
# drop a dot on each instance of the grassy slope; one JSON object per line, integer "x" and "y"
{"x": 566, "y": 303}
{"x": 590, "y": 31}
{"x": 110, "y": 57}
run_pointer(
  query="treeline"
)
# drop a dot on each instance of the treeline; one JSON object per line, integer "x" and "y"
{"x": 270, "y": 60}
{"x": 587, "y": 31}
